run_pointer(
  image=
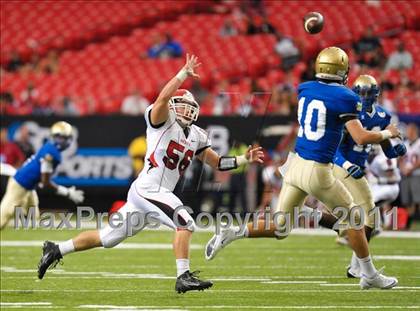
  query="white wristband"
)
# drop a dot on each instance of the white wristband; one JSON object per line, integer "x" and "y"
{"x": 241, "y": 160}
{"x": 61, "y": 190}
{"x": 386, "y": 134}
{"x": 182, "y": 75}
{"x": 346, "y": 165}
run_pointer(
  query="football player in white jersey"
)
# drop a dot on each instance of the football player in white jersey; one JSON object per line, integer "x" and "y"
{"x": 272, "y": 180}
{"x": 384, "y": 178}
{"x": 172, "y": 142}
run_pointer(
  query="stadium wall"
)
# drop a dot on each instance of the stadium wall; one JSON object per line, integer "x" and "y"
{"x": 98, "y": 159}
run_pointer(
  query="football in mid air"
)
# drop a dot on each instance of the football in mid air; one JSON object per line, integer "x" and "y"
{"x": 313, "y": 22}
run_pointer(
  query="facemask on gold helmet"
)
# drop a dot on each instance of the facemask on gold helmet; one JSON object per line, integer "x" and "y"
{"x": 367, "y": 88}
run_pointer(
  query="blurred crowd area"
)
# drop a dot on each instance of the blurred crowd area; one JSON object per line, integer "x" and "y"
{"x": 254, "y": 53}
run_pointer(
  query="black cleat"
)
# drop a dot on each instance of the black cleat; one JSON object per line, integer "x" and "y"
{"x": 352, "y": 274}
{"x": 190, "y": 281}
{"x": 50, "y": 258}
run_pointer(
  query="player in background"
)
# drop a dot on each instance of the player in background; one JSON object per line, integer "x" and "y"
{"x": 39, "y": 168}
{"x": 172, "y": 142}
{"x": 271, "y": 176}
{"x": 410, "y": 170}
{"x": 272, "y": 181}
{"x": 384, "y": 179}
{"x": 351, "y": 160}
{"x": 325, "y": 107}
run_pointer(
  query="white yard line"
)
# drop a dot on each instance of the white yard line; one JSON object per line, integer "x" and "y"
{"x": 62, "y": 274}
{"x": 101, "y": 274}
{"x": 294, "y": 282}
{"x": 397, "y": 257}
{"x": 211, "y": 291}
{"x": 25, "y": 304}
{"x": 244, "y": 279}
{"x": 350, "y": 285}
{"x": 339, "y": 284}
{"x": 335, "y": 307}
{"x": 128, "y": 245}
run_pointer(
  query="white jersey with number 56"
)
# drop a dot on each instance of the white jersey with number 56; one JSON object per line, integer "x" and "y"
{"x": 170, "y": 150}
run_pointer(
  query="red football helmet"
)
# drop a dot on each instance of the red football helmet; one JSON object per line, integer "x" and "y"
{"x": 184, "y": 105}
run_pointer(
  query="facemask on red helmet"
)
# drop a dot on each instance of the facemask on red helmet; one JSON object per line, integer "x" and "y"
{"x": 185, "y": 107}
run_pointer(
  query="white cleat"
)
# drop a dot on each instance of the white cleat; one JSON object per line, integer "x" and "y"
{"x": 219, "y": 241}
{"x": 379, "y": 281}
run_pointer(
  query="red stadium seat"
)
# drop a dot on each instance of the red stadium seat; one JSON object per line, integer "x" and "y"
{"x": 108, "y": 65}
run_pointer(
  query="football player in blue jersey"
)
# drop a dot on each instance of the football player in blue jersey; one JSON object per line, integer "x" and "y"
{"x": 326, "y": 106}
{"x": 20, "y": 191}
{"x": 351, "y": 159}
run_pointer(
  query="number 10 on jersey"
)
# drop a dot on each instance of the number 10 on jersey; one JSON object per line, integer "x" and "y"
{"x": 312, "y": 123}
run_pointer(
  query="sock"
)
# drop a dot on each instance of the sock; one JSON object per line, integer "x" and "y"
{"x": 182, "y": 265}
{"x": 66, "y": 247}
{"x": 367, "y": 267}
{"x": 244, "y": 234}
{"x": 354, "y": 264}
{"x": 368, "y": 233}
{"x": 327, "y": 221}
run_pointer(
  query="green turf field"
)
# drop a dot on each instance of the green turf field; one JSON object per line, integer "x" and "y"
{"x": 263, "y": 274}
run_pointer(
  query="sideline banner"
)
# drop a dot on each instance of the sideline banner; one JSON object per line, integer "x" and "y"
{"x": 98, "y": 156}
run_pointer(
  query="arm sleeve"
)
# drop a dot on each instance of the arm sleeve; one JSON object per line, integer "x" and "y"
{"x": 149, "y": 121}
{"x": 147, "y": 115}
{"x": 204, "y": 141}
{"x": 353, "y": 112}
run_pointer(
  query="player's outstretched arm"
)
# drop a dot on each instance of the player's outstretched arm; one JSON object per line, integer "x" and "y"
{"x": 225, "y": 163}
{"x": 363, "y": 137}
{"x": 160, "y": 110}
{"x": 77, "y": 196}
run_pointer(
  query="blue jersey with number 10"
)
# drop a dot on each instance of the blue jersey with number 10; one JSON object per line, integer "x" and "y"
{"x": 323, "y": 110}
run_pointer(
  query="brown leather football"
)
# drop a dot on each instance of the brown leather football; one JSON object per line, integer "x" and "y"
{"x": 313, "y": 22}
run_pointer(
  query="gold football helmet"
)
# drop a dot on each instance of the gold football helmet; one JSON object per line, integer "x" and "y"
{"x": 62, "y": 128}
{"x": 61, "y": 135}
{"x": 332, "y": 63}
{"x": 367, "y": 88}
{"x": 365, "y": 81}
